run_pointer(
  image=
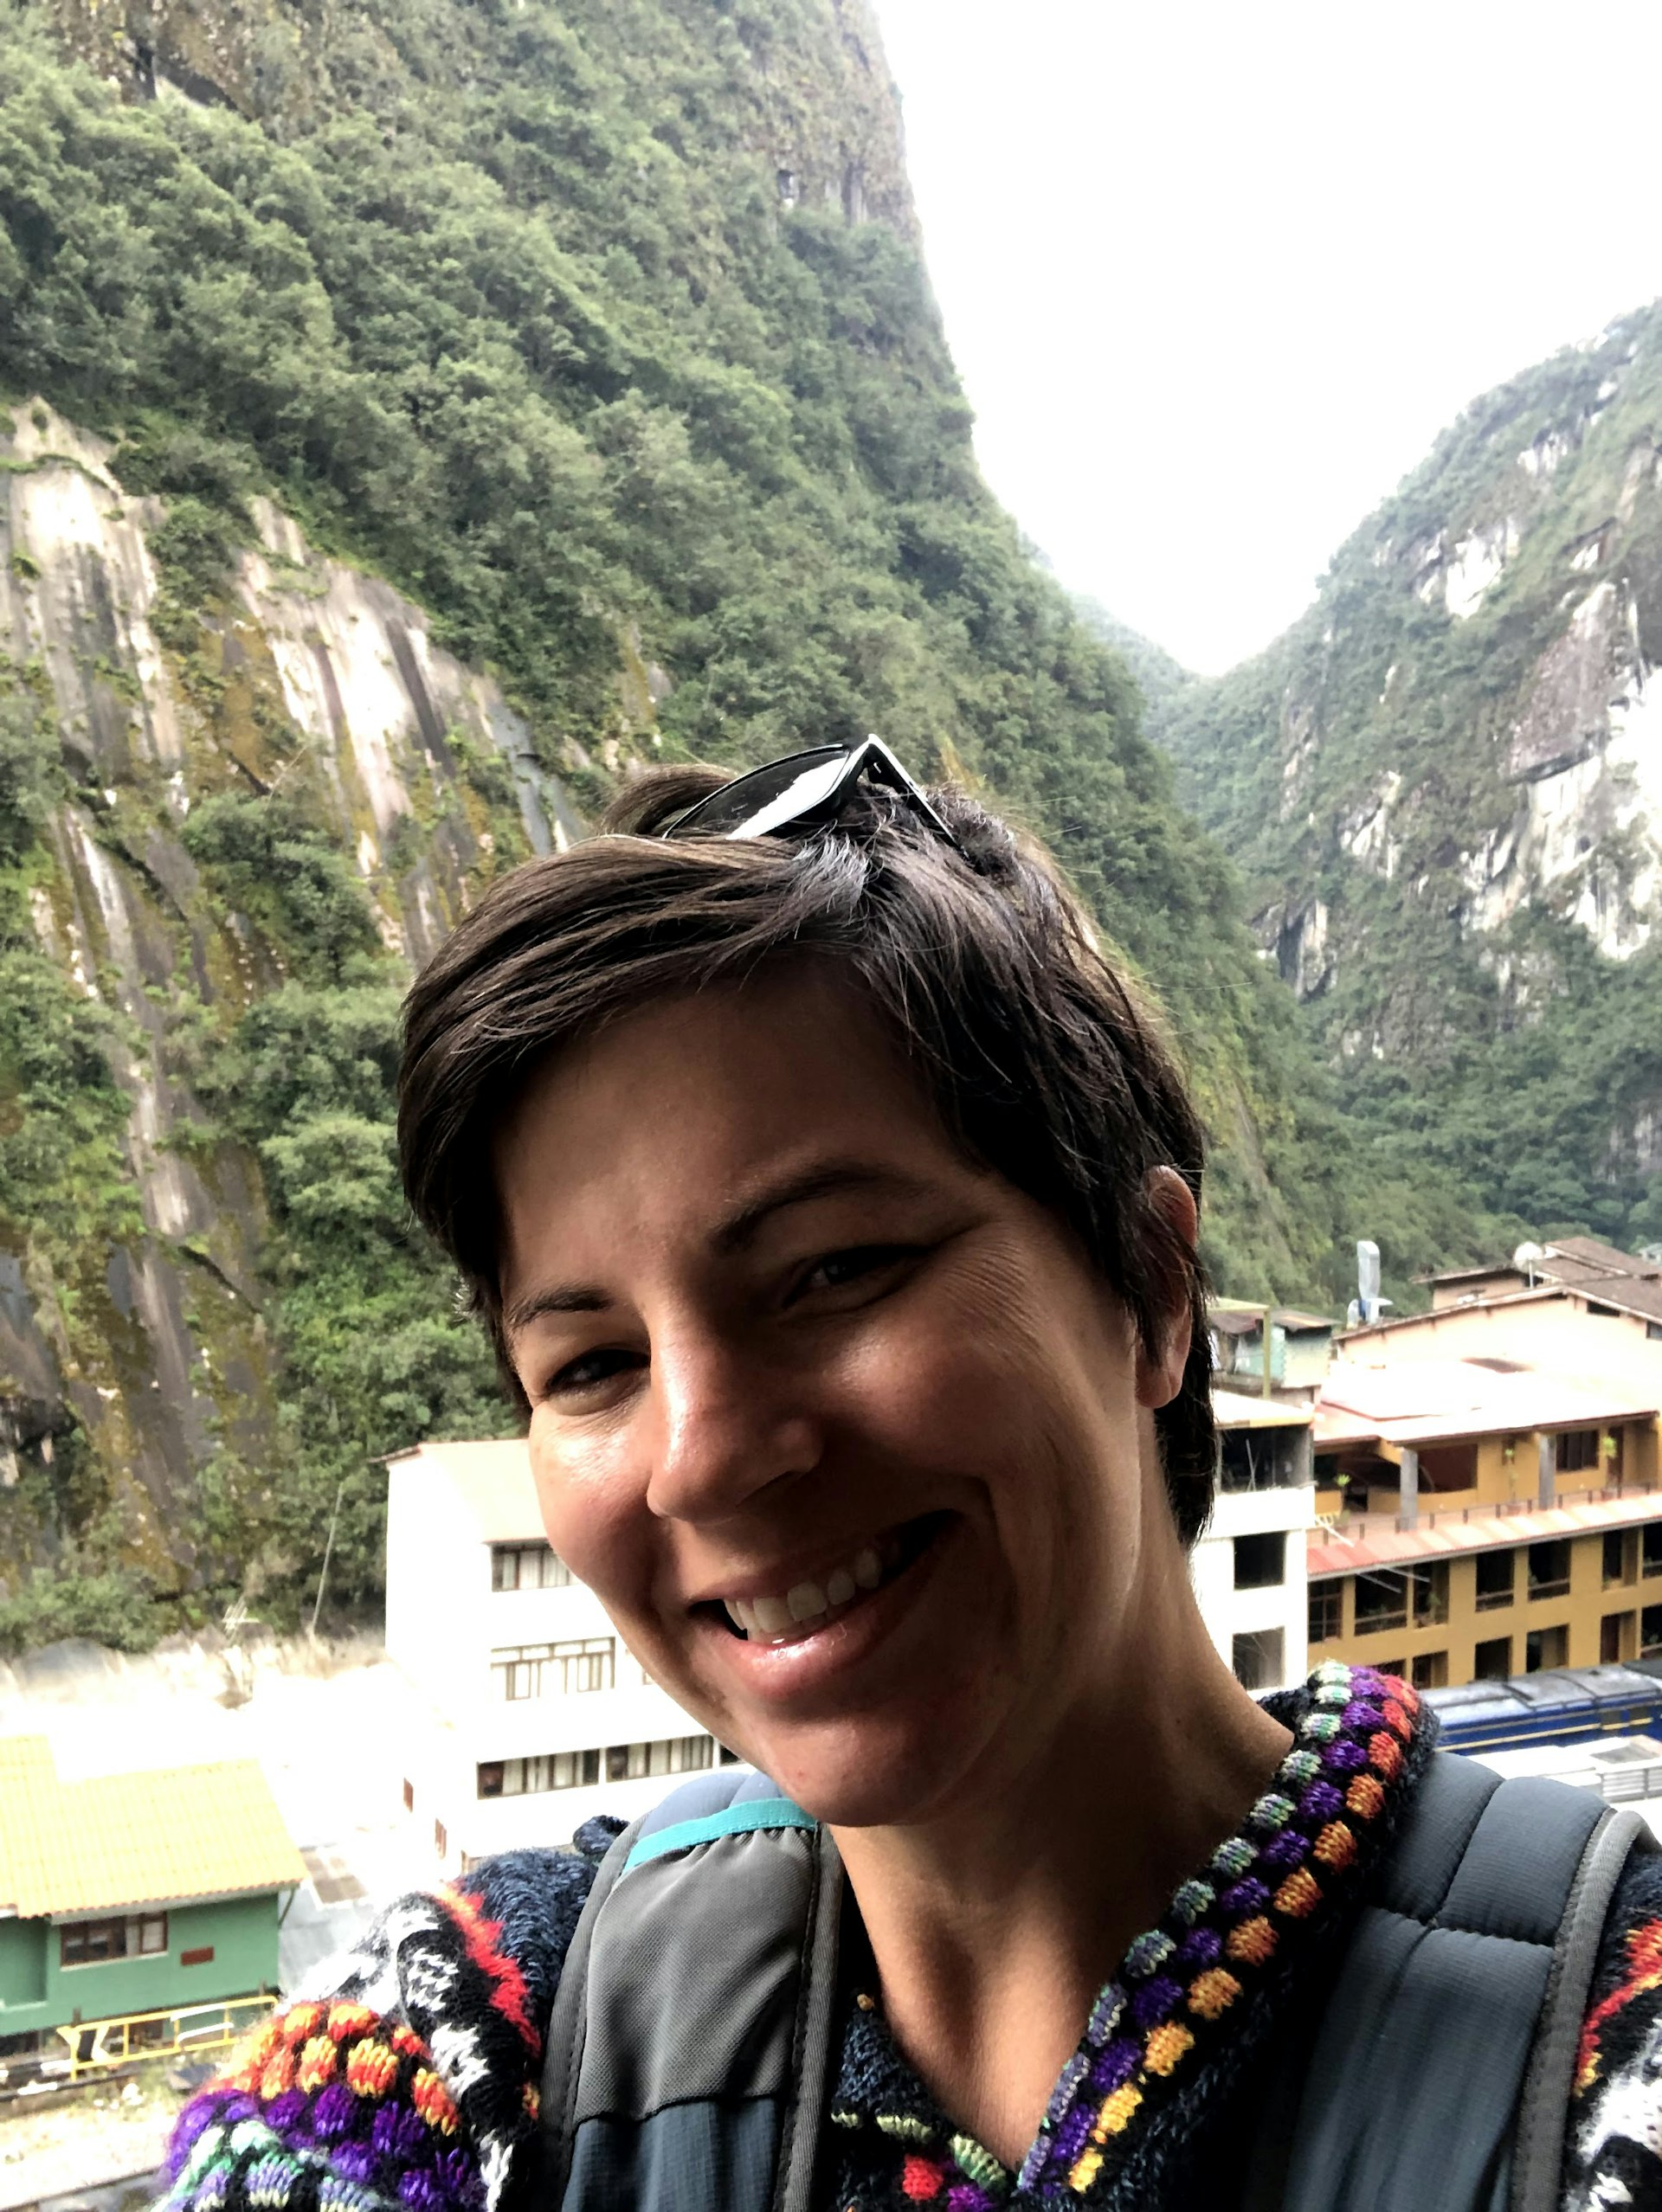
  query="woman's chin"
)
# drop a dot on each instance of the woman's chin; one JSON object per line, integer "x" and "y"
{"x": 872, "y": 1771}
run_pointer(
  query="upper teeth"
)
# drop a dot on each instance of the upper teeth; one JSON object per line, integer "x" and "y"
{"x": 806, "y": 1601}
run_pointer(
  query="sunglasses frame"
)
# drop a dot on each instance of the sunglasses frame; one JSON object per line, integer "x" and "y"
{"x": 870, "y": 758}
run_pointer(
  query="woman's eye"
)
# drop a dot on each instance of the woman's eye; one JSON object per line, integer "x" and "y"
{"x": 588, "y": 1372}
{"x": 837, "y": 1271}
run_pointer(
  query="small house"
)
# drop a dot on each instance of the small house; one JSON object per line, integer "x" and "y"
{"x": 133, "y": 1894}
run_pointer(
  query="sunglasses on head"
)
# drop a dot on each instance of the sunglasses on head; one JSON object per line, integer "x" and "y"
{"x": 803, "y": 791}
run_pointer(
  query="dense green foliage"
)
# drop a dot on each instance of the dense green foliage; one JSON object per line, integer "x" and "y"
{"x": 539, "y": 338}
{"x": 375, "y": 1354}
{"x": 1365, "y": 763}
{"x": 511, "y": 303}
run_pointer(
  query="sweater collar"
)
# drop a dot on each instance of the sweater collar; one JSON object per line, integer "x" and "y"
{"x": 1191, "y": 1988}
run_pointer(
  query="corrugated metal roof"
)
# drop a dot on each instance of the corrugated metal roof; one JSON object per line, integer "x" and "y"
{"x": 1240, "y": 1409}
{"x": 1236, "y": 1315}
{"x": 1431, "y": 1401}
{"x": 1607, "y": 1258}
{"x": 120, "y": 1841}
{"x": 1385, "y": 1547}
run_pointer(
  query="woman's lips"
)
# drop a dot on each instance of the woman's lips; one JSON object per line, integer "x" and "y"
{"x": 786, "y": 1661}
{"x": 777, "y": 1616}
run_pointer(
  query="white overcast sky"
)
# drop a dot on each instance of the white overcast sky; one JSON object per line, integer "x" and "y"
{"x": 1216, "y": 275}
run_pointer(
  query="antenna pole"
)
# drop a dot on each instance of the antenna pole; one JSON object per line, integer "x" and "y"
{"x": 328, "y": 1548}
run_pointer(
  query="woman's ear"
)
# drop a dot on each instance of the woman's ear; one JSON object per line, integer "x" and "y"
{"x": 1160, "y": 1375}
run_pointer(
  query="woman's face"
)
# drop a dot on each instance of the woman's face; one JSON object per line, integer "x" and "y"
{"x": 845, "y": 1433}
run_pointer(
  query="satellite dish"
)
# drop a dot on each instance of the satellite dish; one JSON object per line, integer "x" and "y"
{"x": 1527, "y": 1256}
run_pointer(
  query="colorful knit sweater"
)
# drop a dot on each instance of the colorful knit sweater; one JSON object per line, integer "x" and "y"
{"x": 408, "y": 2081}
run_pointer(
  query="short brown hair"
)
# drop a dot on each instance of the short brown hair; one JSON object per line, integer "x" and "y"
{"x": 1042, "y": 1061}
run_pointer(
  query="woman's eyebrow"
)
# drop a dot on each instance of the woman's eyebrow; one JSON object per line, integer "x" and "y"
{"x": 825, "y": 1180}
{"x": 557, "y": 1298}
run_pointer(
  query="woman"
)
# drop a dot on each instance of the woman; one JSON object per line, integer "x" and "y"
{"x": 833, "y": 1205}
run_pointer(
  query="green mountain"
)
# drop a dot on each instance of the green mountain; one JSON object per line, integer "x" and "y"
{"x": 416, "y": 415}
{"x": 1444, "y": 788}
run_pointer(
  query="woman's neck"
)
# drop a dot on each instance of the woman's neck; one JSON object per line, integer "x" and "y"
{"x": 995, "y": 1921}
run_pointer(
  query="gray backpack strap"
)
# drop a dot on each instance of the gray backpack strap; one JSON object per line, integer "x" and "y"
{"x": 690, "y": 2042}
{"x": 1538, "y": 2152}
{"x": 1488, "y": 1905}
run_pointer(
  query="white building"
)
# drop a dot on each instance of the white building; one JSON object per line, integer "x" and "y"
{"x": 539, "y": 1715}
{"x": 1249, "y": 1568}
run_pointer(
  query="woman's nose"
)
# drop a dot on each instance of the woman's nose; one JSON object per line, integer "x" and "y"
{"x": 727, "y": 1429}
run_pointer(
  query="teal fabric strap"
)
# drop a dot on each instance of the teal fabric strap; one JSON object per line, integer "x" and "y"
{"x": 732, "y": 1820}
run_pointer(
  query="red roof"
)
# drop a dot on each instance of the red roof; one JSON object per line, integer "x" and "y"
{"x": 1486, "y": 1530}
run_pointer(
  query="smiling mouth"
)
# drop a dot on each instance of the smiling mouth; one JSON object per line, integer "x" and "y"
{"x": 787, "y": 1616}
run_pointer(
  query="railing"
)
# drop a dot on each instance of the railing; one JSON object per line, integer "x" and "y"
{"x": 1352, "y": 1527}
{"x": 179, "y": 2031}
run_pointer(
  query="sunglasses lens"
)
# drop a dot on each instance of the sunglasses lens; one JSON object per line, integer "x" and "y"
{"x": 762, "y": 800}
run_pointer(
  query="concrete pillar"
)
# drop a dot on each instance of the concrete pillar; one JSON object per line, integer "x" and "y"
{"x": 1546, "y": 1489}
{"x": 1409, "y": 1513}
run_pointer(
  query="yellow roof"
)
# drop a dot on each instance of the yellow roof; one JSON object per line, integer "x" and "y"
{"x": 124, "y": 1840}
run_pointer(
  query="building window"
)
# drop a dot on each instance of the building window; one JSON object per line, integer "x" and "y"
{"x": 1492, "y": 1661}
{"x": 527, "y": 1566}
{"x": 410, "y": 1796}
{"x": 1617, "y": 1558}
{"x": 1549, "y": 1571}
{"x": 1428, "y": 1588}
{"x": 1261, "y": 1561}
{"x": 555, "y": 1670}
{"x": 1616, "y": 1638}
{"x": 202, "y": 1955}
{"x": 680, "y": 1755}
{"x": 1649, "y": 1548}
{"x": 94, "y": 1943}
{"x": 1326, "y": 1612}
{"x": 1382, "y": 1602}
{"x": 440, "y": 1840}
{"x": 1654, "y": 1331}
{"x": 1430, "y": 1669}
{"x": 529, "y": 1777}
{"x": 1548, "y": 1647}
{"x": 1575, "y": 1450}
{"x": 1260, "y": 1659}
{"x": 1496, "y": 1579}
{"x": 1650, "y": 1632}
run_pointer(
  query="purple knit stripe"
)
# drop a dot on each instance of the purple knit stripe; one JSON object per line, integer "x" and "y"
{"x": 1361, "y": 1716}
{"x": 199, "y": 2113}
{"x": 462, "y": 2179}
{"x": 1286, "y": 1851}
{"x": 353, "y": 2162}
{"x": 1248, "y": 1896}
{"x": 1203, "y": 1947}
{"x": 1071, "y": 2135}
{"x": 399, "y": 2133}
{"x": 1117, "y": 2065}
{"x": 1321, "y": 1802}
{"x": 287, "y": 2115}
{"x": 964, "y": 2196}
{"x": 1345, "y": 1756}
{"x": 335, "y": 2113}
{"x": 1155, "y": 2000}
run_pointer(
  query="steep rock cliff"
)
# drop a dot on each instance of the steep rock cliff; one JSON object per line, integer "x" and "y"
{"x": 1444, "y": 784}
{"x": 133, "y": 1331}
